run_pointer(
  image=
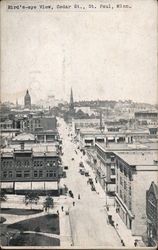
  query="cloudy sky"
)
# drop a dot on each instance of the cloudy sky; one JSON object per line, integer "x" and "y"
{"x": 102, "y": 55}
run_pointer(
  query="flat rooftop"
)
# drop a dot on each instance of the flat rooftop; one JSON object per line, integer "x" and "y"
{"x": 139, "y": 158}
{"x": 36, "y": 148}
{"x": 24, "y": 137}
{"x": 129, "y": 147}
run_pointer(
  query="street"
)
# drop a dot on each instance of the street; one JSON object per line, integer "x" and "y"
{"x": 88, "y": 220}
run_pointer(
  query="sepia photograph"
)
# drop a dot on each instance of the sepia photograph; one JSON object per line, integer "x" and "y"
{"x": 79, "y": 124}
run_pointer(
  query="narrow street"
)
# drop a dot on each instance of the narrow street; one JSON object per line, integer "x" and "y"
{"x": 88, "y": 218}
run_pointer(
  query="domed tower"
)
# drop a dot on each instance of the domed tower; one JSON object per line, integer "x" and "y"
{"x": 27, "y": 100}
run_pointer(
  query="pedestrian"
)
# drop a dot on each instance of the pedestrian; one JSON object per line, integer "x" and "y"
{"x": 135, "y": 243}
{"x": 57, "y": 212}
{"x": 73, "y": 203}
{"x": 62, "y": 208}
{"x": 123, "y": 244}
{"x": 79, "y": 196}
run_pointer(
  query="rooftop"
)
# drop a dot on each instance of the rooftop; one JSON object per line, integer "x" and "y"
{"x": 36, "y": 148}
{"x": 140, "y": 158}
{"x": 24, "y": 137}
{"x": 142, "y": 145}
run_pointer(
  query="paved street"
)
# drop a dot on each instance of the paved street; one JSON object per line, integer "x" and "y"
{"x": 88, "y": 219}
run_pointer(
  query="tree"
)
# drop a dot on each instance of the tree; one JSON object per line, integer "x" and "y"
{"x": 49, "y": 203}
{"x": 31, "y": 198}
{"x": 3, "y": 196}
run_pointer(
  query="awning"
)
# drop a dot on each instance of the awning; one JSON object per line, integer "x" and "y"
{"x": 111, "y": 187}
{"x": 110, "y": 138}
{"x": 38, "y": 185}
{"x": 22, "y": 185}
{"x": 51, "y": 185}
{"x": 6, "y": 185}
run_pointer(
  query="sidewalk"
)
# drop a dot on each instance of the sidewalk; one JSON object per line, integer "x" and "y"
{"x": 65, "y": 229}
{"x": 123, "y": 232}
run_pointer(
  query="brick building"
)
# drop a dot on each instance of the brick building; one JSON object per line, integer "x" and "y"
{"x": 31, "y": 168}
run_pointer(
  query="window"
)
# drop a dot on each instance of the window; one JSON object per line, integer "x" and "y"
{"x": 47, "y": 174}
{"x": 26, "y": 174}
{"x": 35, "y": 164}
{"x": 130, "y": 176}
{"x": 130, "y": 205}
{"x": 40, "y": 173}
{"x": 35, "y": 174}
{"x": 41, "y": 163}
{"x": 121, "y": 194}
{"x": 10, "y": 174}
{"x": 125, "y": 185}
{"x": 125, "y": 199}
{"x": 51, "y": 174}
{"x": 121, "y": 181}
{"x": 113, "y": 171}
{"x": 27, "y": 163}
{"x": 5, "y": 174}
{"x": 18, "y": 164}
{"x": 18, "y": 174}
{"x": 125, "y": 172}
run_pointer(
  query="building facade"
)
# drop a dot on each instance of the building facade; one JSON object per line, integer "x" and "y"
{"x": 152, "y": 213}
{"x": 27, "y": 169}
{"x": 135, "y": 170}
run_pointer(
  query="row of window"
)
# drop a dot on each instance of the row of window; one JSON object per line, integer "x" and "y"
{"x": 27, "y": 163}
{"x": 124, "y": 171}
{"x": 27, "y": 174}
{"x": 124, "y": 185}
{"x": 124, "y": 198}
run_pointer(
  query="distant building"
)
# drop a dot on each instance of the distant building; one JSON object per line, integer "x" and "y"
{"x": 152, "y": 213}
{"x": 78, "y": 124}
{"x": 146, "y": 117}
{"x": 7, "y": 124}
{"x": 35, "y": 123}
{"x": 27, "y": 100}
{"x": 88, "y": 138}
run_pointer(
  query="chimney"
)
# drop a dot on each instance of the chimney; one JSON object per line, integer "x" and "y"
{"x": 22, "y": 146}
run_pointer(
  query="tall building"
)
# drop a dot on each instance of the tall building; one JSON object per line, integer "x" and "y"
{"x": 27, "y": 100}
{"x": 152, "y": 213}
{"x": 71, "y": 101}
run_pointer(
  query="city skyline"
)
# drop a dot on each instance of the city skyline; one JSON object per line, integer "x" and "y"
{"x": 57, "y": 53}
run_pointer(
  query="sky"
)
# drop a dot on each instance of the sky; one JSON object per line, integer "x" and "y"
{"x": 107, "y": 55}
